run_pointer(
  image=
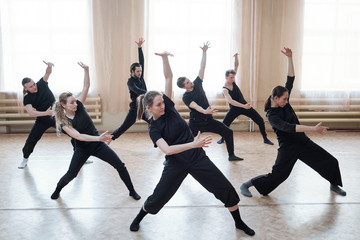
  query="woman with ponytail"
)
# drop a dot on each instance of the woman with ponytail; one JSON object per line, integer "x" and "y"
{"x": 184, "y": 155}
{"x": 38, "y": 100}
{"x": 72, "y": 119}
{"x": 293, "y": 143}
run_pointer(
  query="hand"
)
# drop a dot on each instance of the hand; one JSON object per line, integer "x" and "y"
{"x": 210, "y": 110}
{"x": 247, "y": 106}
{"x": 84, "y": 66}
{"x": 49, "y": 64}
{"x": 236, "y": 55}
{"x": 109, "y": 141}
{"x": 140, "y": 42}
{"x": 206, "y": 46}
{"x": 49, "y": 112}
{"x": 164, "y": 54}
{"x": 321, "y": 129}
{"x": 204, "y": 142}
{"x": 287, "y": 52}
{"x": 105, "y": 137}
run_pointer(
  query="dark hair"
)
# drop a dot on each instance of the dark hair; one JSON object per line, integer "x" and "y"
{"x": 230, "y": 71}
{"x": 133, "y": 66}
{"x": 180, "y": 82}
{"x": 277, "y": 91}
{"x": 25, "y": 81}
{"x": 144, "y": 100}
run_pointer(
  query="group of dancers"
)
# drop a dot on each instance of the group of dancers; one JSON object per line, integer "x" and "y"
{"x": 181, "y": 142}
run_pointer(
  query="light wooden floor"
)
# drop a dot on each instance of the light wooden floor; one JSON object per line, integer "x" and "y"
{"x": 96, "y": 204}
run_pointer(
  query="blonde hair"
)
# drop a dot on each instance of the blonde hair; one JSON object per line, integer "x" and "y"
{"x": 144, "y": 100}
{"x": 60, "y": 117}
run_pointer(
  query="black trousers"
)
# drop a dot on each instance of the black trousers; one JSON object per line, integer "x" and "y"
{"x": 102, "y": 151}
{"x": 203, "y": 170}
{"x": 310, "y": 153}
{"x": 40, "y": 126}
{"x": 251, "y": 113}
{"x": 130, "y": 119}
{"x": 214, "y": 126}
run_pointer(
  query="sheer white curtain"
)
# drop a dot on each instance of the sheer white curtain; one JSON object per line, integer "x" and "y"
{"x": 331, "y": 50}
{"x": 180, "y": 27}
{"x": 59, "y": 31}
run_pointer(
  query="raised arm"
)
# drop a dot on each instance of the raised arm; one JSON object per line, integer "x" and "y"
{"x": 48, "y": 71}
{"x": 288, "y": 53}
{"x": 167, "y": 72}
{"x": 141, "y": 54}
{"x": 85, "y": 90}
{"x": 204, "y": 48}
{"x": 174, "y": 149}
{"x": 236, "y": 64}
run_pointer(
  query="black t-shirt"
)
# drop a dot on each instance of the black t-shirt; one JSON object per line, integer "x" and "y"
{"x": 198, "y": 96}
{"x": 83, "y": 123}
{"x": 284, "y": 121}
{"x": 174, "y": 130}
{"x": 236, "y": 95}
{"x": 42, "y": 99}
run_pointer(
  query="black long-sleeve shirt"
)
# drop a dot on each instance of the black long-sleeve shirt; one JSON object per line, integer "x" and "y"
{"x": 284, "y": 120}
{"x": 136, "y": 85}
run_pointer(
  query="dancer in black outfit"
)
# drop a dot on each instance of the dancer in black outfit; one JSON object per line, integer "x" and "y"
{"x": 201, "y": 112}
{"x": 184, "y": 155}
{"x": 72, "y": 118}
{"x": 293, "y": 142}
{"x": 38, "y": 101}
{"x": 238, "y": 104}
{"x": 137, "y": 86}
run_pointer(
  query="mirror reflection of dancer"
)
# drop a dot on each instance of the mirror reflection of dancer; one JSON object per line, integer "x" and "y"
{"x": 293, "y": 142}
{"x": 184, "y": 155}
{"x": 73, "y": 119}
{"x": 238, "y": 104}
{"x": 38, "y": 100}
{"x": 137, "y": 86}
{"x": 201, "y": 112}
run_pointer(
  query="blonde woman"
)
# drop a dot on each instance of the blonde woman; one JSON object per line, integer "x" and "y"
{"x": 72, "y": 119}
{"x": 184, "y": 155}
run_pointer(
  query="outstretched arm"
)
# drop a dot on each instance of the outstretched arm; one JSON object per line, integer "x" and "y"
{"x": 231, "y": 101}
{"x": 48, "y": 71}
{"x": 287, "y": 52}
{"x": 72, "y": 132}
{"x": 236, "y": 64}
{"x": 174, "y": 149}
{"x": 317, "y": 128}
{"x": 141, "y": 55}
{"x": 205, "y": 47}
{"x": 85, "y": 90}
{"x": 167, "y": 72}
{"x": 198, "y": 108}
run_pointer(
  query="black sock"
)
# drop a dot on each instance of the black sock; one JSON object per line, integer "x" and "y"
{"x": 56, "y": 193}
{"x": 240, "y": 224}
{"x": 135, "y": 225}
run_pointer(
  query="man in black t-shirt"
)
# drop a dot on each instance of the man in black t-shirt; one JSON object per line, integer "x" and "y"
{"x": 201, "y": 118}
{"x": 137, "y": 86}
{"x": 38, "y": 100}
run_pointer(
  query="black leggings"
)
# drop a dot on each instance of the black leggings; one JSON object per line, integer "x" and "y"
{"x": 40, "y": 126}
{"x": 102, "y": 151}
{"x": 203, "y": 170}
{"x": 214, "y": 126}
{"x": 234, "y": 112}
{"x": 128, "y": 122}
{"x": 310, "y": 153}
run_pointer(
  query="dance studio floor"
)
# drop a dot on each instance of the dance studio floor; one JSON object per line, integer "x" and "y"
{"x": 96, "y": 205}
